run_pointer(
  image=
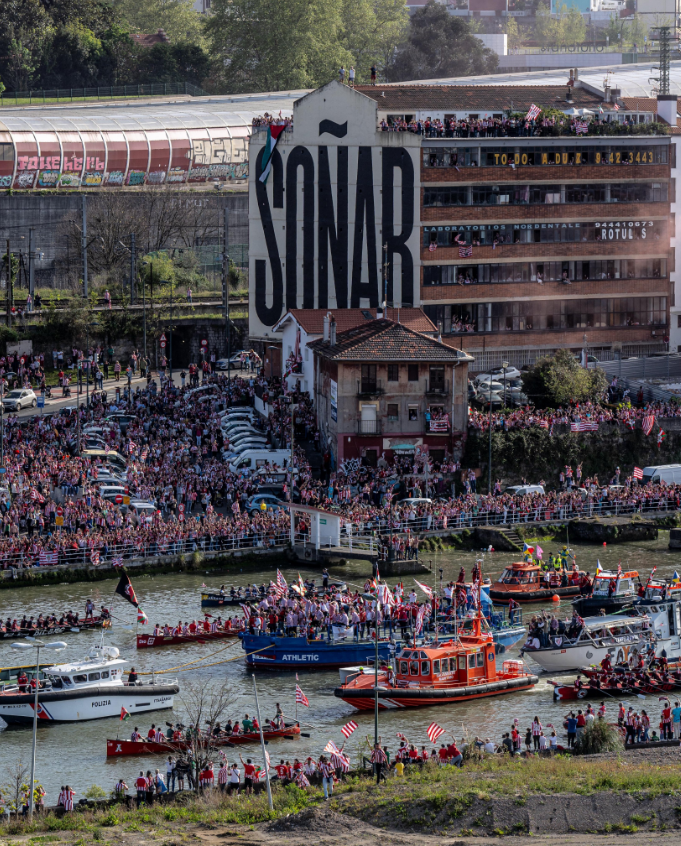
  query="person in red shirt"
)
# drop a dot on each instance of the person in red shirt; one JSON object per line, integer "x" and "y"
{"x": 192, "y": 627}
{"x": 151, "y": 734}
{"x": 141, "y": 787}
{"x": 455, "y": 755}
{"x": 206, "y": 625}
{"x": 413, "y": 754}
{"x": 249, "y": 774}
{"x": 282, "y": 770}
{"x": 442, "y": 754}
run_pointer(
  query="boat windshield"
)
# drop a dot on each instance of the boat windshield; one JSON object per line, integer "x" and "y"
{"x": 518, "y": 577}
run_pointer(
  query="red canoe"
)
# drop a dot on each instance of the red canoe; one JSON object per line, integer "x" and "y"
{"x": 152, "y": 641}
{"x": 117, "y": 748}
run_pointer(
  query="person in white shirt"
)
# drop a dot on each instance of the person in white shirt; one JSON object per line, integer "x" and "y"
{"x": 543, "y": 743}
{"x": 553, "y": 742}
{"x": 489, "y": 746}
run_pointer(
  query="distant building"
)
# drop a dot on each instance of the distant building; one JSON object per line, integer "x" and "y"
{"x": 384, "y": 388}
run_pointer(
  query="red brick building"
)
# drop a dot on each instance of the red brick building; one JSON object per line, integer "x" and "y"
{"x": 537, "y": 243}
{"x": 381, "y": 386}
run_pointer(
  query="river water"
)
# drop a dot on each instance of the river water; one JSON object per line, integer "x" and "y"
{"x": 75, "y": 754}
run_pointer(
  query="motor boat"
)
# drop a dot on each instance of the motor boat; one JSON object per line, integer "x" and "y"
{"x": 89, "y": 689}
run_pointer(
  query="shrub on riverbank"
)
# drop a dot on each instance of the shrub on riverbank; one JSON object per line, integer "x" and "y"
{"x": 446, "y": 789}
{"x": 598, "y": 736}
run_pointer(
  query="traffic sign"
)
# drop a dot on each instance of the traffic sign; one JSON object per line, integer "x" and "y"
{"x": 41, "y": 402}
{"x": 118, "y": 499}
{"x": 204, "y": 343}
{"x": 59, "y": 521}
{"x": 163, "y": 345}
{"x": 181, "y": 507}
{"x": 163, "y": 338}
{"x": 60, "y": 511}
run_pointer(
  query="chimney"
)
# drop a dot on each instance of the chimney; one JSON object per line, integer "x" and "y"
{"x": 332, "y": 331}
{"x": 326, "y": 329}
{"x": 575, "y": 75}
{"x": 667, "y": 108}
{"x": 606, "y": 91}
{"x": 615, "y": 94}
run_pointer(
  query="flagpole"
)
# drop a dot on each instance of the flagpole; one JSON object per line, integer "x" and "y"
{"x": 262, "y": 747}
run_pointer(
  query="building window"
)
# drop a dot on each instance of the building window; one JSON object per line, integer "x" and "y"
{"x": 413, "y": 371}
{"x": 368, "y": 378}
{"x": 678, "y": 321}
{"x": 393, "y": 373}
{"x": 522, "y": 195}
{"x": 413, "y": 412}
{"x": 437, "y": 378}
{"x": 393, "y": 411}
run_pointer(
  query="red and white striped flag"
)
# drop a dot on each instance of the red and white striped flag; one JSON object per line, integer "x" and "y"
{"x": 94, "y": 557}
{"x": 246, "y": 611}
{"x": 533, "y": 112}
{"x": 428, "y": 591}
{"x": 648, "y": 422}
{"x": 402, "y": 736}
{"x": 638, "y": 473}
{"x": 281, "y": 584}
{"x": 419, "y": 619}
{"x": 49, "y": 557}
{"x": 301, "y": 699}
{"x": 340, "y": 761}
{"x": 331, "y": 748}
{"x": 348, "y": 728}
{"x": 465, "y": 252}
{"x": 434, "y": 731}
{"x": 118, "y": 561}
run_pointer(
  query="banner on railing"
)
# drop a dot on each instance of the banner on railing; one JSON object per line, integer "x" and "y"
{"x": 441, "y": 425}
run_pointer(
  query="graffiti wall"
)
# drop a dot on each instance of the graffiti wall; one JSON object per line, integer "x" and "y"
{"x": 42, "y": 160}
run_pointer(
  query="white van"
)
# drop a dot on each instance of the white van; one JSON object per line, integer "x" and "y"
{"x": 670, "y": 474}
{"x": 254, "y": 459}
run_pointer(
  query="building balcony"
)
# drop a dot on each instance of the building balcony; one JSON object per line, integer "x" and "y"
{"x": 437, "y": 389}
{"x": 366, "y": 388}
{"x": 368, "y": 427}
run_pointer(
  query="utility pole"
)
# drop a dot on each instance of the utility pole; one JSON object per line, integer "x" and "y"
{"x": 31, "y": 264}
{"x": 386, "y": 270}
{"x": 225, "y": 291}
{"x": 10, "y": 286}
{"x": 84, "y": 245}
{"x": 132, "y": 267}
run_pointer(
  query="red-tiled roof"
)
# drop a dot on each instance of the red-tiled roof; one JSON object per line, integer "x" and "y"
{"x": 148, "y": 39}
{"x": 385, "y": 340}
{"x": 477, "y": 98}
{"x": 640, "y": 104}
{"x": 312, "y": 319}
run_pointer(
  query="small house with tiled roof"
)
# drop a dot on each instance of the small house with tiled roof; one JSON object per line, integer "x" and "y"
{"x": 383, "y": 388}
{"x": 299, "y": 326}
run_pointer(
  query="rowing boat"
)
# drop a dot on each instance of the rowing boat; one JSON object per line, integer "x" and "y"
{"x": 154, "y": 641}
{"x": 118, "y": 748}
{"x": 48, "y": 631}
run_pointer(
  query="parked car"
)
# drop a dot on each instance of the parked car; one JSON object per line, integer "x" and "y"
{"x": 523, "y": 490}
{"x": 254, "y": 503}
{"x": 21, "y": 398}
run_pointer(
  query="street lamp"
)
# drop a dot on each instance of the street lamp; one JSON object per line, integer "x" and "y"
{"x": 371, "y": 598}
{"x": 504, "y": 367}
{"x": 489, "y": 427}
{"x": 35, "y": 644}
{"x": 93, "y": 325}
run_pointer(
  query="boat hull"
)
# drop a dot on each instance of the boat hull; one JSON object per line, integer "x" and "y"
{"x": 154, "y": 642}
{"x": 502, "y": 597}
{"x": 92, "y": 703}
{"x": 504, "y": 639}
{"x": 55, "y": 630}
{"x": 264, "y": 652}
{"x": 590, "y": 606}
{"x": 118, "y": 748}
{"x": 562, "y": 660}
{"x": 363, "y": 699}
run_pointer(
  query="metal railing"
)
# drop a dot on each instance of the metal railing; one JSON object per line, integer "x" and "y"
{"x": 107, "y": 92}
{"x": 369, "y": 387}
{"x": 130, "y": 553}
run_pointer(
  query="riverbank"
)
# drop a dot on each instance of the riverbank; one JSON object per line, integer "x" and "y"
{"x": 617, "y": 793}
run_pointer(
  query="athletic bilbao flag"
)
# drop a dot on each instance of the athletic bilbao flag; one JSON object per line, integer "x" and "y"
{"x": 348, "y": 728}
{"x": 125, "y": 590}
{"x": 434, "y": 731}
{"x": 273, "y": 133}
{"x": 638, "y": 473}
{"x": 301, "y": 699}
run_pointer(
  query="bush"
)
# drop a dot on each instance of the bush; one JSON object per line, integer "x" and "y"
{"x": 598, "y": 736}
{"x": 96, "y": 792}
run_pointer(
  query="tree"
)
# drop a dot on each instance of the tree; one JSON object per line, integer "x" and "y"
{"x": 206, "y": 705}
{"x": 545, "y": 26}
{"x": 513, "y": 33}
{"x": 15, "y": 787}
{"x": 266, "y": 45}
{"x": 172, "y": 62}
{"x": 572, "y": 26}
{"x": 371, "y": 30}
{"x": 178, "y": 18}
{"x": 439, "y": 45}
{"x": 560, "y": 379}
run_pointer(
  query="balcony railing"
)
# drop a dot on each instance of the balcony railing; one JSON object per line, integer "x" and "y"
{"x": 437, "y": 388}
{"x": 368, "y": 427}
{"x": 369, "y": 387}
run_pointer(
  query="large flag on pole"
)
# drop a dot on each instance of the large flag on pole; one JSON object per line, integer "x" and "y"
{"x": 273, "y": 133}
{"x": 125, "y": 590}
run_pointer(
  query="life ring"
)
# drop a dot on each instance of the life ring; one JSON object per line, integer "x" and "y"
{"x": 308, "y": 553}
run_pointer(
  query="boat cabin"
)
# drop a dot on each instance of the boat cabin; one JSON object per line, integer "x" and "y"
{"x": 101, "y": 667}
{"x": 522, "y": 574}
{"x": 625, "y": 584}
{"x": 470, "y": 660}
{"x": 613, "y": 630}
